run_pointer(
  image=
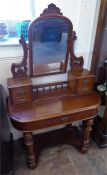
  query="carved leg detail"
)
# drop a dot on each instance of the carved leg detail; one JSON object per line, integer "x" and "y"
{"x": 86, "y": 137}
{"x": 28, "y": 138}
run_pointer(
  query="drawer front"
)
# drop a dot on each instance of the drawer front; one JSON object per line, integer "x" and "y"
{"x": 21, "y": 95}
{"x": 85, "y": 85}
{"x": 21, "y": 91}
{"x": 21, "y": 100}
{"x": 54, "y": 121}
{"x": 60, "y": 120}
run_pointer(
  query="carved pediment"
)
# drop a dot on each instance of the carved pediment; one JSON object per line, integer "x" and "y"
{"x": 52, "y": 9}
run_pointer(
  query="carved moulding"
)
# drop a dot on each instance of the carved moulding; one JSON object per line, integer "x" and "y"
{"x": 20, "y": 69}
{"x": 52, "y": 9}
{"x": 76, "y": 62}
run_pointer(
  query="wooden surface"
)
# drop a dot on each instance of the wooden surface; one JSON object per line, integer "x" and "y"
{"x": 17, "y": 82}
{"x": 53, "y": 103}
{"x": 20, "y": 90}
{"x": 52, "y": 106}
{"x": 46, "y": 113}
{"x": 46, "y": 69}
{"x": 80, "y": 81}
{"x": 21, "y": 69}
{"x": 52, "y": 112}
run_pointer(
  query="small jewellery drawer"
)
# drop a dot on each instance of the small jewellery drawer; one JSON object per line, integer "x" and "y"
{"x": 21, "y": 91}
{"x": 21, "y": 100}
{"x": 85, "y": 85}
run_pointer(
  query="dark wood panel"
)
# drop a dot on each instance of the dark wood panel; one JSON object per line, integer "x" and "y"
{"x": 53, "y": 103}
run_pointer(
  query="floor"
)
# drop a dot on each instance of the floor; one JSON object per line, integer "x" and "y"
{"x": 64, "y": 160}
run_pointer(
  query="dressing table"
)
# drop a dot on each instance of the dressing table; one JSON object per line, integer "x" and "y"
{"x": 38, "y": 98}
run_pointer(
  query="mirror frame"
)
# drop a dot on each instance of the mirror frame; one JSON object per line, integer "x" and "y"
{"x": 21, "y": 69}
{"x": 57, "y": 15}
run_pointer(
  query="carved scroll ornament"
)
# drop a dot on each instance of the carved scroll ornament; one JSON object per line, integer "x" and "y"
{"x": 20, "y": 69}
{"x": 52, "y": 9}
{"x": 76, "y": 62}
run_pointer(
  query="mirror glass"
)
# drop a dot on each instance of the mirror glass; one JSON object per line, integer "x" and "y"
{"x": 49, "y": 45}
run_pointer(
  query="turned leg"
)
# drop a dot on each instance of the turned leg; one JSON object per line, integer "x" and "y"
{"x": 28, "y": 139}
{"x": 86, "y": 136}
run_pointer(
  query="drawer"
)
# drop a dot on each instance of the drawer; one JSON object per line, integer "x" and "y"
{"x": 21, "y": 91}
{"x": 85, "y": 85}
{"x": 21, "y": 100}
{"x": 58, "y": 120}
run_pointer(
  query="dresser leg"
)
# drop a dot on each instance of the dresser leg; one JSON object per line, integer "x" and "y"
{"x": 28, "y": 139}
{"x": 86, "y": 136}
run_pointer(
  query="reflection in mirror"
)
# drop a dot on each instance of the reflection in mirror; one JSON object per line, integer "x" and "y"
{"x": 49, "y": 45}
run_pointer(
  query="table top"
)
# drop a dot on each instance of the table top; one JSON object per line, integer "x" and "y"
{"x": 43, "y": 110}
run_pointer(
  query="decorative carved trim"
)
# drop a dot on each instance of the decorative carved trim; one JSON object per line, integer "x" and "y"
{"x": 52, "y": 9}
{"x": 76, "y": 62}
{"x": 87, "y": 132}
{"x": 74, "y": 37}
{"x": 20, "y": 69}
{"x": 28, "y": 138}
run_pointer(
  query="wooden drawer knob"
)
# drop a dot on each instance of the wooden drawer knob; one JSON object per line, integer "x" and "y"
{"x": 64, "y": 119}
{"x": 20, "y": 92}
{"x": 85, "y": 82}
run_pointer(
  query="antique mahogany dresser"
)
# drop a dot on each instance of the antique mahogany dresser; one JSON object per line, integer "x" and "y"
{"x": 38, "y": 96}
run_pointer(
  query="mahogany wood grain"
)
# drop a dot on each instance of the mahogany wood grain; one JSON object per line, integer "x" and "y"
{"x": 47, "y": 69}
{"x": 20, "y": 69}
{"x": 28, "y": 138}
{"x": 51, "y": 112}
{"x": 69, "y": 42}
{"x": 46, "y": 113}
{"x": 80, "y": 81}
{"x": 51, "y": 103}
{"x": 20, "y": 90}
{"x": 52, "y": 9}
{"x": 87, "y": 131}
